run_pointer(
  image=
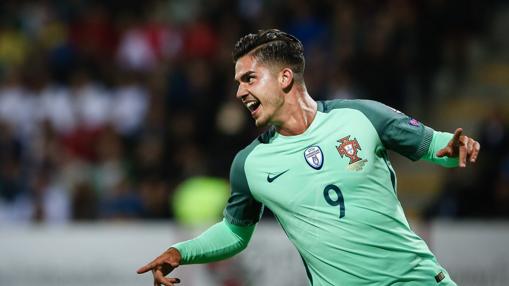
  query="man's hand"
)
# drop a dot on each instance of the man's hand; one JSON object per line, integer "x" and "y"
{"x": 463, "y": 146}
{"x": 162, "y": 266}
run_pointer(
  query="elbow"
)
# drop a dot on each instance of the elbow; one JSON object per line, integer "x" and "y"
{"x": 240, "y": 246}
{"x": 243, "y": 245}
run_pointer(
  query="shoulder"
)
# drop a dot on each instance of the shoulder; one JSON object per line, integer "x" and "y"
{"x": 241, "y": 156}
{"x": 363, "y": 105}
{"x": 379, "y": 114}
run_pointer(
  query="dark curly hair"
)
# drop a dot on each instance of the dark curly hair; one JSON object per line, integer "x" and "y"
{"x": 272, "y": 46}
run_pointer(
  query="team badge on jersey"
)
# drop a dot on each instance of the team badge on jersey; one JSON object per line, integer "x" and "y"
{"x": 314, "y": 157}
{"x": 349, "y": 148}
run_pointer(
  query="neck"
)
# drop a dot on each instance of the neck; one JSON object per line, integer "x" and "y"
{"x": 298, "y": 112}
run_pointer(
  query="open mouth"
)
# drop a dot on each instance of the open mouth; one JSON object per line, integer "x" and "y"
{"x": 253, "y": 105}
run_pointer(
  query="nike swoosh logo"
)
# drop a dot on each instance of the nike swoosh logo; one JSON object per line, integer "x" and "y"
{"x": 271, "y": 179}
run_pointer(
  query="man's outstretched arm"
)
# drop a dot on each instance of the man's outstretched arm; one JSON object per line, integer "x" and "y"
{"x": 452, "y": 150}
{"x": 221, "y": 241}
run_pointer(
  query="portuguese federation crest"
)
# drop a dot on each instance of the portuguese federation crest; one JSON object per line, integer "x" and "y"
{"x": 349, "y": 148}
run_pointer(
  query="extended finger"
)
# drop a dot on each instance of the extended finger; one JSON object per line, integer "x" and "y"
{"x": 147, "y": 267}
{"x": 457, "y": 135}
{"x": 470, "y": 148}
{"x": 463, "y": 152}
{"x": 475, "y": 151}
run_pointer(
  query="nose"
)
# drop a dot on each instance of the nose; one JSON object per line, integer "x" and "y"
{"x": 241, "y": 92}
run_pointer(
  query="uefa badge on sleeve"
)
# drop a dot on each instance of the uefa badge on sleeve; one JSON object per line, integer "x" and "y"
{"x": 314, "y": 157}
{"x": 414, "y": 122}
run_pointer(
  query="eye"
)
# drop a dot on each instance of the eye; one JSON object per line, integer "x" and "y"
{"x": 247, "y": 78}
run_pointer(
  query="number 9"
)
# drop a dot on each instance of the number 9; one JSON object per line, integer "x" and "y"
{"x": 340, "y": 201}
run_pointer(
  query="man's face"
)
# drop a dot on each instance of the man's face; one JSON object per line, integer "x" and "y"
{"x": 259, "y": 89}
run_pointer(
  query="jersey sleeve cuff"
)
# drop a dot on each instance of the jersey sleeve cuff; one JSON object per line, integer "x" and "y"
{"x": 423, "y": 148}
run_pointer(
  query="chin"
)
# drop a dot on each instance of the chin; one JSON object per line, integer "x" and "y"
{"x": 261, "y": 123}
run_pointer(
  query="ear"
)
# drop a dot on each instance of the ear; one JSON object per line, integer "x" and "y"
{"x": 285, "y": 78}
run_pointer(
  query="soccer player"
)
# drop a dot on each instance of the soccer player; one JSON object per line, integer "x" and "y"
{"x": 323, "y": 170}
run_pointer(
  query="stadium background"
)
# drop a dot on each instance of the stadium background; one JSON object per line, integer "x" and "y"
{"x": 108, "y": 107}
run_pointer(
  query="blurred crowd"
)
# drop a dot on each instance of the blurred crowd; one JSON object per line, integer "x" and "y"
{"x": 106, "y": 107}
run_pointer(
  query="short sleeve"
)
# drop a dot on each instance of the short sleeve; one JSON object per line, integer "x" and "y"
{"x": 242, "y": 209}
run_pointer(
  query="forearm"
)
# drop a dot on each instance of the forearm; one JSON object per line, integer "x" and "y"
{"x": 221, "y": 241}
{"x": 439, "y": 141}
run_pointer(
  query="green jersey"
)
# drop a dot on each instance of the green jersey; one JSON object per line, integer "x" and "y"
{"x": 333, "y": 190}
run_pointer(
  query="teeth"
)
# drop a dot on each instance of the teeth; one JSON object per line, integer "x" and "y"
{"x": 252, "y": 105}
